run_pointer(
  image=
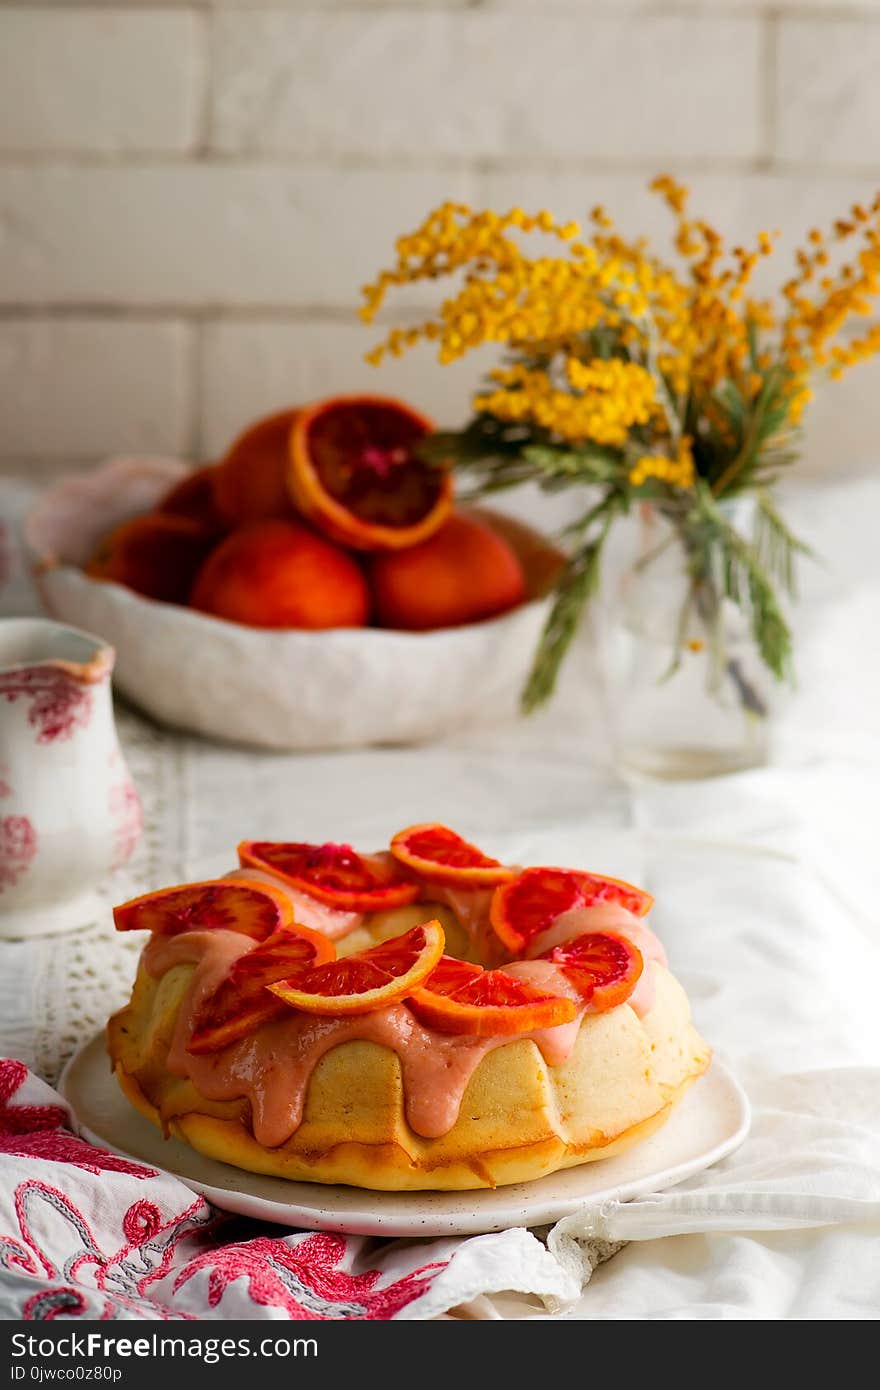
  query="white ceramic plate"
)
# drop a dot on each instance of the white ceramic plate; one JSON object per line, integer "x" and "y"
{"x": 711, "y": 1121}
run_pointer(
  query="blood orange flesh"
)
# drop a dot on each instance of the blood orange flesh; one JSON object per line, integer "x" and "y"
{"x": 334, "y": 874}
{"x": 462, "y": 998}
{"x": 603, "y": 966}
{"x": 367, "y": 980}
{"x": 355, "y": 474}
{"x": 435, "y": 852}
{"x": 255, "y": 910}
{"x": 242, "y": 1001}
{"x": 530, "y": 903}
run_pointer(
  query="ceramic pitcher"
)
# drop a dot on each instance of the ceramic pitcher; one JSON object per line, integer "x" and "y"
{"x": 69, "y": 811}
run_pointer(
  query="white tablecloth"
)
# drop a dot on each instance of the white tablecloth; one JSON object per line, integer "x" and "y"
{"x": 767, "y": 886}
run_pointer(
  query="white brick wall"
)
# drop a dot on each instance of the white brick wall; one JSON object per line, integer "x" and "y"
{"x": 100, "y": 81}
{"x": 192, "y": 193}
{"x": 89, "y": 386}
{"x": 486, "y": 85}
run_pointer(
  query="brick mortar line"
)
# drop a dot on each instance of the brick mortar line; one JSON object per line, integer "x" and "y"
{"x": 664, "y": 9}
{"x": 769, "y": 79}
{"x": 205, "y": 42}
{"x": 206, "y": 315}
{"x": 63, "y": 162}
{"x": 191, "y": 411}
{"x": 276, "y": 6}
{"x": 251, "y": 315}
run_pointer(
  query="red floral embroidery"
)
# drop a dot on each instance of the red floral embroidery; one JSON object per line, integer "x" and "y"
{"x": 141, "y": 1221}
{"x": 86, "y": 1261}
{"x": 303, "y": 1277}
{"x": 128, "y": 820}
{"x": 59, "y": 703}
{"x": 39, "y": 1131}
{"x": 18, "y": 845}
{"x": 54, "y": 1303}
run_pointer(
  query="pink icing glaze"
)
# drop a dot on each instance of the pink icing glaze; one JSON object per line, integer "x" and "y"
{"x": 470, "y": 905}
{"x": 306, "y": 909}
{"x": 272, "y": 1068}
{"x": 614, "y": 918}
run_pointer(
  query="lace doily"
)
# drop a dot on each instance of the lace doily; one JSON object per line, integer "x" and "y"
{"x": 81, "y": 978}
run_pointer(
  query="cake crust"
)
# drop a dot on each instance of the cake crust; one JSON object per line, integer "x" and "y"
{"x": 520, "y": 1118}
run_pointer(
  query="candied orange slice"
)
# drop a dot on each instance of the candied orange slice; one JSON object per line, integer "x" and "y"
{"x": 367, "y": 980}
{"x": 254, "y": 909}
{"x": 334, "y": 874}
{"x": 355, "y": 475}
{"x": 462, "y": 998}
{"x": 242, "y": 1001}
{"x": 531, "y": 902}
{"x": 435, "y": 852}
{"x": 603, "y": 966}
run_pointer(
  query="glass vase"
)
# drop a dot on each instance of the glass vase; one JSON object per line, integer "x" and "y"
{"x": 688, "y": 693}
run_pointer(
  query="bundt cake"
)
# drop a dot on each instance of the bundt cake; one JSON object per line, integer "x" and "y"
{"x": 423, "y": 1018}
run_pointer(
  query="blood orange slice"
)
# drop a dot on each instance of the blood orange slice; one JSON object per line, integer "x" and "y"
{"x": 254, "y": 909}
{"x": 462, "y": 998}
{"x": 355, "y": 475}
{"x": 368, "y": 980}
{"x": 242, "y": 1001}
{"x": 334, "y": 874}
{"x": 435, "y": 852}
{"x": 530, "y": 903}
{"x": 603, "y": 966}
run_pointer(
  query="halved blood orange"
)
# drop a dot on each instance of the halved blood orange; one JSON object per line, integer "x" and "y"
{"x": 242, "y": 1001}
{"x": 603, "y": 966}
{"x": 355, "y": 475}
{"x": 435, "y": 852}
{"x": 462, "y": 998}
{"x": 367, "y": 980}
{"x": 531, "y": 902}
{"x": 254, "y": 909}
{"x": 250, "y": 482}
{"x": 334, "y": 874}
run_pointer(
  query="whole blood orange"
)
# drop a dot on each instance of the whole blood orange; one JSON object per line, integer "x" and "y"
{"x": 241, "y": 1002}
{"x": 532, "y": 901}
{"x": 436, "y": 853}
{"x": 254, "y": 909}
{"x": 280, "y": 574}
{"x": 464, "y": 573}
{"x": 367, "y": 980}
{"x": 251, "y": 482}
{"x": 156, "y": 555}
{"x": 193, "y": 497}
{"x": 354, "y": 473}
{"x": 458, "y": 997}
{"x": 334, "y": 874}
{"x": 603, "y": 966}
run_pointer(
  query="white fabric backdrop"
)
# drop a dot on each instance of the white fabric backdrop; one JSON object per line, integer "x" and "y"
{"x": 767, "y": 886}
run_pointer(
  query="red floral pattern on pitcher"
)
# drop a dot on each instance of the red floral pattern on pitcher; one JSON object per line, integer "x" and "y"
{"x": 127, "y": 815}
{"x": 18, "y": 845}
{"x": 5, "y": 555}
{"x": 59, "y": 704}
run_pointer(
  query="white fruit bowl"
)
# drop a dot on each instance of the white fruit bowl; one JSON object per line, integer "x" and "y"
{"x": 277, "y": 689}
